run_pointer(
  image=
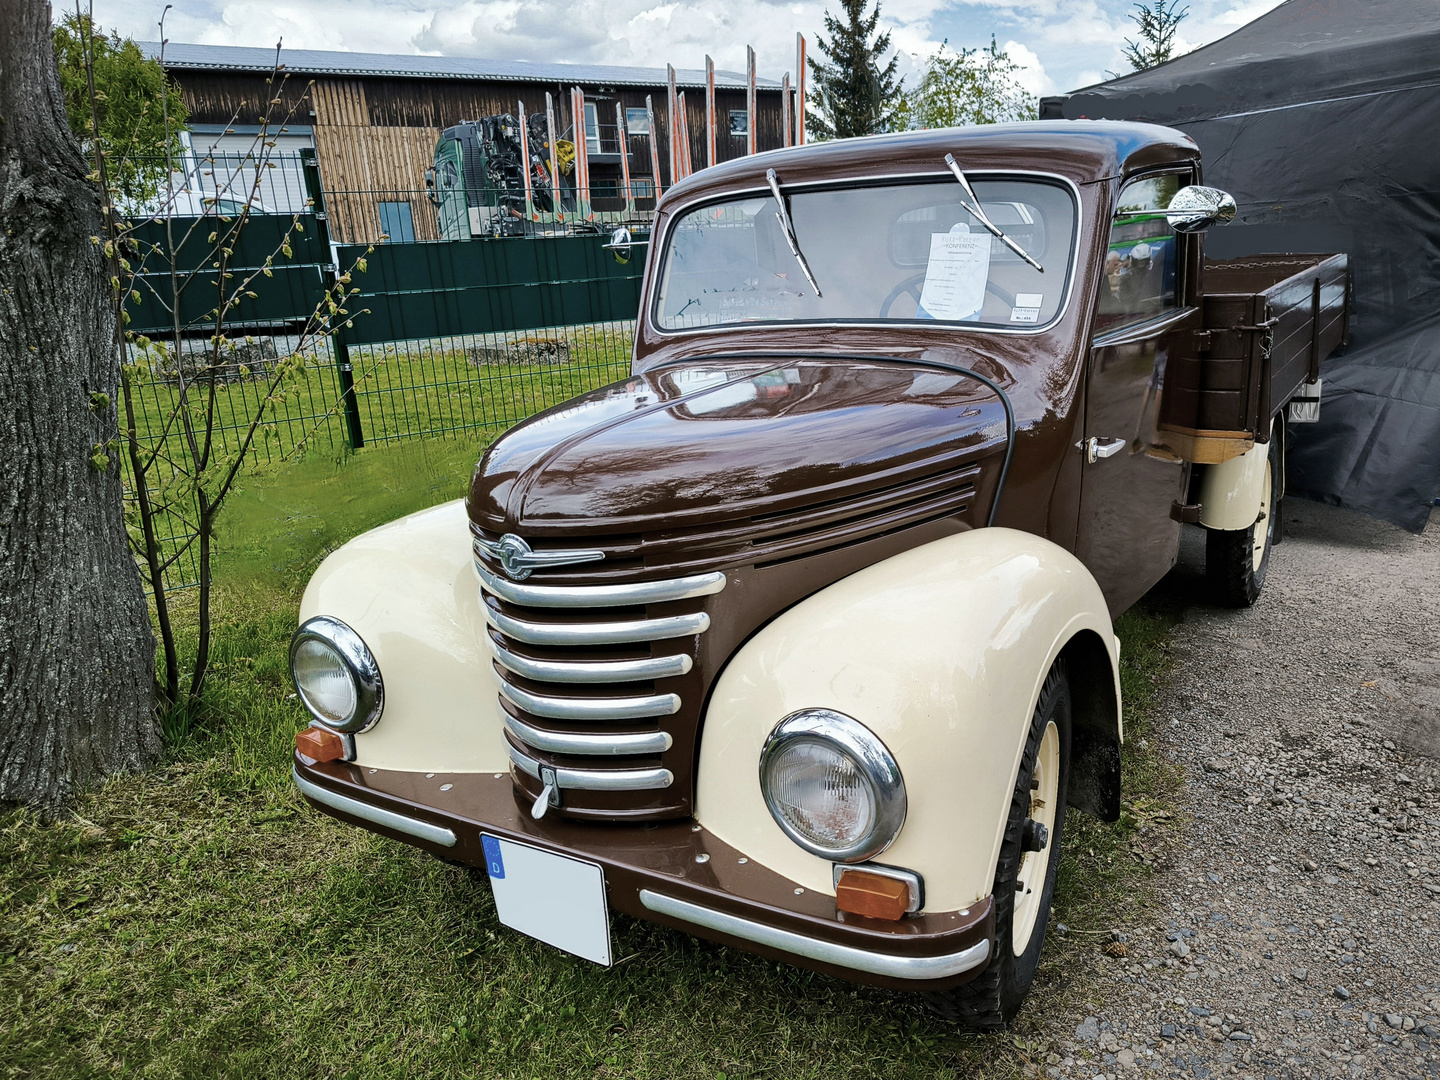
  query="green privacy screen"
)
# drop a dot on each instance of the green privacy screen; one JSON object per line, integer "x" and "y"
{"x": 426, "y": 290}
{"x": 289, "y": 296}
{"x": 485, "y": 286}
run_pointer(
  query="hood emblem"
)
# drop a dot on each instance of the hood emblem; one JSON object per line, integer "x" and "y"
{"x": 519, "y": 560}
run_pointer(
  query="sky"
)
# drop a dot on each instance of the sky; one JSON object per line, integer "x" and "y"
{"x": 1061, "y": 44}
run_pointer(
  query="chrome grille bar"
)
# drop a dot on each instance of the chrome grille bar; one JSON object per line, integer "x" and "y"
{"x": 590, "y": 671}
{"x": 561, "y": 742}
{"x": 628, "y": 708}
{"x": 597, "y": 779}
{"x": 620, "y": 632}
{"x": 589, "y": 596}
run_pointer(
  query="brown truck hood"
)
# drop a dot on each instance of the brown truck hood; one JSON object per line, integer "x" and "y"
{"x": 712, "y": 441}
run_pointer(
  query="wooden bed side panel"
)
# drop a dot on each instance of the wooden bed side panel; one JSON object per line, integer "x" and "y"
{"x": 1272, "y": 320}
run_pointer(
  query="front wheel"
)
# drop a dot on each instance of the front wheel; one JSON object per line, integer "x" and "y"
{"x": 1236, "y": 559}
{"x": 1025, "y": 874}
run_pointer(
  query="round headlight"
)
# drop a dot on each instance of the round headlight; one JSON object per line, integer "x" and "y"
{"x": 336, "y": 675}
{"x": 832, "y": 786}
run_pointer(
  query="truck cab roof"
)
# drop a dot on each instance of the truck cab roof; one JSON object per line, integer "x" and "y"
{"x": 1084, "y": 151}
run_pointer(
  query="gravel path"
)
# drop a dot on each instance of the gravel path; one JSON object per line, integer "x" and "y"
{"x": 1300, "y": 913}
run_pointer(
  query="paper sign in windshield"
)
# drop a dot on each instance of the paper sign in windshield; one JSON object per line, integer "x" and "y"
{"x": 955, "y": 277}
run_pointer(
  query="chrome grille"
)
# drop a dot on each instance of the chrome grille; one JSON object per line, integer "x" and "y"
{"x": 565, "y": 692}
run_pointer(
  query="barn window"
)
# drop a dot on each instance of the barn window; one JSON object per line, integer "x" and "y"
{"x": 641, "y": 189}
{"x": 637, "y": 121}
{"x": 739, "y": 122}
{"x": 397, "y": 222}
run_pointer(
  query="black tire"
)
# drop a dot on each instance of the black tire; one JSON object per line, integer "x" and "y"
{"x": 991, "y": 999}
{"x": 1231, "y": 572}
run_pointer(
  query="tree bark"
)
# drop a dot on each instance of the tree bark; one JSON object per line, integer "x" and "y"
{"x": 76, "y": 647}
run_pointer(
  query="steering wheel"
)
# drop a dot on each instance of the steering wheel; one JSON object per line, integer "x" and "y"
{"x": 911, "y": 286}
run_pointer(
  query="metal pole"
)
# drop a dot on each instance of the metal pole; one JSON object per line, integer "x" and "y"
{"x": 785, "y": 106}
{"x": 582, "y": 155}
{"x": 525, "y": 164}
{"x": 345, "y": 370}
{"x": 670, "y": 103}
{"x": 554, "y": 158}
{"x": 654, "y": 147}
{"x": 623, "y": 134}
{"x": 800, "y": 90}
{"x": 709, "y": 112}
{"x": 685, "y": 162}
{"x": 749, "y": 100}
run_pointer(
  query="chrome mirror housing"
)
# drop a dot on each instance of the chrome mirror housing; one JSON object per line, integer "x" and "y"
{"x": 620, "y": 245}
{"x": 1195, "y": 209}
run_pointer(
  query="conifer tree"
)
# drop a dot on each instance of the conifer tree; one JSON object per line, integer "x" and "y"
{"x": 855, "y": 92}
{"x": 1156, "y": 24}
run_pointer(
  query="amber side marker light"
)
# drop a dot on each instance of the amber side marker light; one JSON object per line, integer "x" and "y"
{"x": 317, "y": 744}
{"x": 875, "y": 895}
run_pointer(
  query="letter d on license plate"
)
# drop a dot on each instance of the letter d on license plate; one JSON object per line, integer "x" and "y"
{"x": 552, "y": 898}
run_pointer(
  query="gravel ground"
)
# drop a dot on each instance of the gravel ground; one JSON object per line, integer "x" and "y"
{"x": 1298, "y": 930}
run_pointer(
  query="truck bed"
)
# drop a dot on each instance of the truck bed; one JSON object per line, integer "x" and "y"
{"x": 1270, "y": 321}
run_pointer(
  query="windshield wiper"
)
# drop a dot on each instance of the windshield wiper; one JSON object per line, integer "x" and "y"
{"x": 788, "y": 228}
{"x": 980, "y": 215}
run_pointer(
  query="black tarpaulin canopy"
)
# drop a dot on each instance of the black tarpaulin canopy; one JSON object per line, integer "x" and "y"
{"x": 1322, "y": 118}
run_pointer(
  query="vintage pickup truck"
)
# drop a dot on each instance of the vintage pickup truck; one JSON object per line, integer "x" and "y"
{"x": 800, "y": 638}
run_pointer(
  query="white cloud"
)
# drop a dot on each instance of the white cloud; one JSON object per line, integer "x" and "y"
{"x": 1061, "y": 44}
{"x": 1031, "y": 75}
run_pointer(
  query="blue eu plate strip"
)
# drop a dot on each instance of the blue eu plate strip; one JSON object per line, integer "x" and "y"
{"x": 494, "y": 864}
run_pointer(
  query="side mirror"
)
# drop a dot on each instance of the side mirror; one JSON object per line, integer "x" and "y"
{"x": 620, "y": 245}
{"x": 430, "y": 192}
{"x": 1195, "y": 209}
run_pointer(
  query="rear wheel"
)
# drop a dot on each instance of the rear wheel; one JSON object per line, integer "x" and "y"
{"x": 1236, "y": 559}
{"x": 1025, "y": 874}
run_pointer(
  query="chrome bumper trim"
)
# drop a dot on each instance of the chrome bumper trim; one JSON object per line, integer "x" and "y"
{"x": 825, "y": 952}
{"x": 590, "y": 671}
{"x": 621, "y": 632}
{"x": 564, "y": 742}
{"x": 553, "y": 708}
{"x": 589, "y": 596}
{"x": 599, "y": 779}
{"x": 388, "y": 819}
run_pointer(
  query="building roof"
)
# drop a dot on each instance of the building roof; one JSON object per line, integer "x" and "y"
{"x": 180, "y": 56}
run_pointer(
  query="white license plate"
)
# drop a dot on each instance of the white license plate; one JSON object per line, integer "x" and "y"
{"x": 553, "y": 898}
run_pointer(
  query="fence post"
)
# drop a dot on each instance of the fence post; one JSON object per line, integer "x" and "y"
{"x": 329, "y": 273}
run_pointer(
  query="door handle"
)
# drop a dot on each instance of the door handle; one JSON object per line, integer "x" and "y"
{"x": 1095, "y": 449}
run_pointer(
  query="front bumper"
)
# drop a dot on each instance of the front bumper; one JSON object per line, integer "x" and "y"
{"x": 672, "y": 873}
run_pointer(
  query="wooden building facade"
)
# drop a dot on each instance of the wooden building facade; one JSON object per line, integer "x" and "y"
{"x": 374, "y": 120}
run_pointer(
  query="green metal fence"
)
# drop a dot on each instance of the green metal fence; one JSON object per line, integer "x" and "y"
{"x": 445, "y": 338}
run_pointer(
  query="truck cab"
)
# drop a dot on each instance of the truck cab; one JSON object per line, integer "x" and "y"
{"x": 800, "y": 638}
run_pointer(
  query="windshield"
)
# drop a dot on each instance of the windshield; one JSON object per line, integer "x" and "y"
{"x": 902, "y": 252}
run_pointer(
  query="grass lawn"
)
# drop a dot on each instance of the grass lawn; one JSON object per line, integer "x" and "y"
{"x": 403, "y": 390}
{"x": 200, "y": 920}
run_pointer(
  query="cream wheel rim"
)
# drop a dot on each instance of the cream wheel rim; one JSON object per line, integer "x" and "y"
{"x": 1035, "y": 865}
{"x": 1263, "y": 524}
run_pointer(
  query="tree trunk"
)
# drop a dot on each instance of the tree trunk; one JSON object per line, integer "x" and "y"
{"x": 76, "y": 648}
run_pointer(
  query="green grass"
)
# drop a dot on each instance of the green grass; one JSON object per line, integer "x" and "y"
{"x": 403, "y": 390}
{"x": 201, "y": 920}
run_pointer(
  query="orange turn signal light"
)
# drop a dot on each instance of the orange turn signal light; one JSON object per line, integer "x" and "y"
{"x": 862, "y": 893}
{"x": 317, "y": 744}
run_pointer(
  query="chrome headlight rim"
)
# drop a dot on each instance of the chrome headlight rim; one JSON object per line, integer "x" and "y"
{"x": 358, "y": 661}
{"x": 875, "y": 763}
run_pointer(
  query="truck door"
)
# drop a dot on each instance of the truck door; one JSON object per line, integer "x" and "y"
{"x": 452, "y": 218}
{"x": 1129, "y": 479}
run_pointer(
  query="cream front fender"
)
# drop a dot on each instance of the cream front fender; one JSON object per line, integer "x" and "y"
{"x": 941, "y": 651}
{"x": 409, "y": 591}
